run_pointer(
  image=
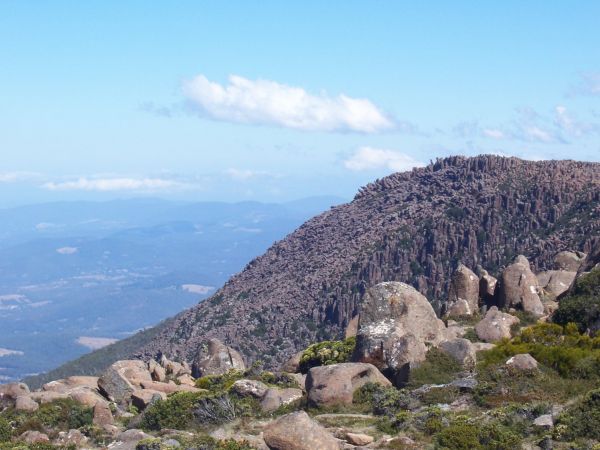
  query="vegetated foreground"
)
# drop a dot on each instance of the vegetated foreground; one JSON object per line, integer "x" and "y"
{"x": 514, "y": 364}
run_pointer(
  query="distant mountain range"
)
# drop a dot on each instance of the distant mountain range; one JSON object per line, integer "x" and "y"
{"x": 76, "y": 276}
{"x": 413, "y": 227}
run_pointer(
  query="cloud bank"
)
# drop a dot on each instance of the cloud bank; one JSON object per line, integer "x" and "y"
{"x": 264, "y": 102}
{"x": 113, "y": 184}
{"x": 369, "y": 158}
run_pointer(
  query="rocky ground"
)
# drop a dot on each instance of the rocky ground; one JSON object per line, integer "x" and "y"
{"x": 513, "y": 364}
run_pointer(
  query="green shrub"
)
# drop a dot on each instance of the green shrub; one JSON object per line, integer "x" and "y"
{"x": 174, "y": 412}
{"x": 220, "y": 382}
{"x": 384, "y": 401}
{"x": 326, "y": 353}
{"x": 465, "y": 434}
{"x": 582, "y": 305}
{"x": 5, "y": 430}
{"x": 564, "y": 349}
{"x": 438, "y": 368}
{"x": 582, "y": 420}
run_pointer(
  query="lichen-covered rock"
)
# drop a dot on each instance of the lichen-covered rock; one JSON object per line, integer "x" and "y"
{"x": 119, "y": 381}
{"x": 102, "y": 415}
{"x": 554, "y": 282}
{"x": 252, "y": 388}
{"x": 335, "y": 384}
{"x": 462, "y": 350}
{"x": 274, "y": 398}
{"x": 464, "y": 290}
{"x": 569, "y": 261}
{"x": 26, "y": 403}
{"x": 297, "y": 431}
{"x": 11, "y": 391}
{"x": 34, "y": 437}
{"x": 217, "y": 360}
{"x": 396, "y": 326}
{"x": 487, "y": 288}
{"x": 141, "y": 398}
{"x": 518, "y": 288}
{"x": 495, "y": 325}
{"x": 523, "y": 363}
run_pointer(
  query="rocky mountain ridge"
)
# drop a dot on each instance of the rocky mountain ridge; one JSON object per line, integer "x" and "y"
{"x": 413, "y": 227}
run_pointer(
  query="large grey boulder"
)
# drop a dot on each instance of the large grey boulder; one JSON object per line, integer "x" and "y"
{"x": 522, "y": 362}
{"x": 487, "y": 288}
{"x": 218, "y": 359}
{"x": 463, "y": 296}
{"x": 11, "y": 391}
{"x": 122, "y": 378}
{"x": 518, "y": 288}
{"x": 495, "y": 326}
{"x": 335, "y": 384}
{"x": 569, "y": 261}
{"x": 396, "y": 327}
{"x": 274, "y": 398}
{"x": 554, "y": 282}
{"x": 461, "y": 350}
{"x": 297, "y": 431}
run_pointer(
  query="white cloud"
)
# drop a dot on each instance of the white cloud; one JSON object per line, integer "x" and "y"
{"x": 113, "y": 184}
{"x": 94, "y": 343}
{"x": 16, "y": 177}
{"x": 267, "y": 102}
{"x": 570, "y": 125}
{"x": 588, "y": 85}
{"x": 244, "y": 174}
{"x": 67, "y": 250}
{"x": 369, "y": 158}
{"x": 197, "y": 288}
{"x": 8, "y": 352}
{"x": 493, "y": 133}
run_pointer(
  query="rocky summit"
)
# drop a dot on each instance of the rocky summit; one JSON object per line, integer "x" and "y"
{"x": 415, "y": 227}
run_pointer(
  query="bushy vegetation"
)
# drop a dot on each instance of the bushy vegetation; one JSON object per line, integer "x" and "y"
{"x": 383, "y": 401}
{"x": 438, "y": 368}
{"x": 326, "y": 353}
{"x": 563, "y": 349}
{"x": 174, "y": 412}
{"x": 582, "y": 306}
{"x": 59, "y": 415}
{"x": 220, "y": 382}
{"x": 581, "y": 420}
{"x": 469, "y": 434}
{"x": 5, "y": 430}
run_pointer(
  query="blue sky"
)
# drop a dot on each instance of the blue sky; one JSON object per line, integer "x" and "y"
{"x": 280, "y": 100}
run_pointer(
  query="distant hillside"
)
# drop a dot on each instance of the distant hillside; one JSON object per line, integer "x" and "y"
{"x": 413, "y": 227}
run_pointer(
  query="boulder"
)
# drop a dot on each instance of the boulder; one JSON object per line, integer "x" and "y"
{"x": 297, "y": 431}
{"x": 275, "y": 398}
{"x": 119, "y": 381}
{"x": 555, "y": 282}
{"x": 10, "y": 391}
{"x": 68, "y": 384}
{"x": 168, "y": 388}
{"x": 523, "y": 363}
{"x": 71, "y": 438}
{"x": 335, "y": 384}
{"x": 86, "y": 396}
{"x": 292, "y": 365}
{"x": 186, "y": 379}
{"x": 157, "y": 372}
{"x": 462, "y": 350}
{"x": 518, "y": 288}
{"x": 44, "y": 397}
{"x": 26, "y": 403}
{"x": 495, "y": 325}
{"x": 34, "y": 437}
{"x": 250, "y": 388}
{"x": 569, "y": 261}
{"x": 102, "y": 415}
{"x": 483, "y": 346}
{"x": 396, "y": 326}
{"x": 487, "y": 288}
{"x": 464, "y": 288}
{"x": 219, "y": 359}
{"x": 141, "y": 398}
{"x": 545, "y": 421}
{"x": 359, "y": 439}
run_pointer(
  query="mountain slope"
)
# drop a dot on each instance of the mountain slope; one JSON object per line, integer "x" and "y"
{"x": 413, "y": 227}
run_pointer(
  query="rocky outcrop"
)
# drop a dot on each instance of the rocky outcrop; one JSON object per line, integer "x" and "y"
{"x": 463, "y": 298}
{"x": 275, "y": 398}
{"x": 122, "y": 378}
{"x": 555, "y": 282}
{"x": 219, "y": 359}
{"x": 462, "y": 350}
{"x": 487, "y": 288}
{"x": 569, "y": 261}
{"x": 335, "y": 384}
{"x": 396, "y": 326}
{"x": 495, "y": 326}
{"x": 297, "y": 431}
{"x": 523, "y": 363}
{"x": 518, "y": 288}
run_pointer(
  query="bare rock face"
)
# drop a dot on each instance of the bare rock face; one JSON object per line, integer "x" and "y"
{"x": 487, "y": 288}
{"x": 274, "y": 398}
{"x": 569, "y": 261}
{"x": 464, "y": 288}
{"x": 122, "y": 378}
{"x": 554, "y": 282}
{"x": 335, "y": 384}
{"x": 396, "y": 325}
{"x": 252, "y": 388}
{"x": 26, "y": 403}
{"x": 141, "y": 398}
{"x": 495, "y": 325}
{"x": 523, "y": 363}
{"x": 519, "y": 288}
{"x": 292, "y": 365}
{"x": 297, "y": 431}
{"x": 462, "y": 350}
{"x": 11, "y": 391}
{"x": 351, "y": 328}
{"x": 219, "y": 359}
{"x": 102, "y": 415}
